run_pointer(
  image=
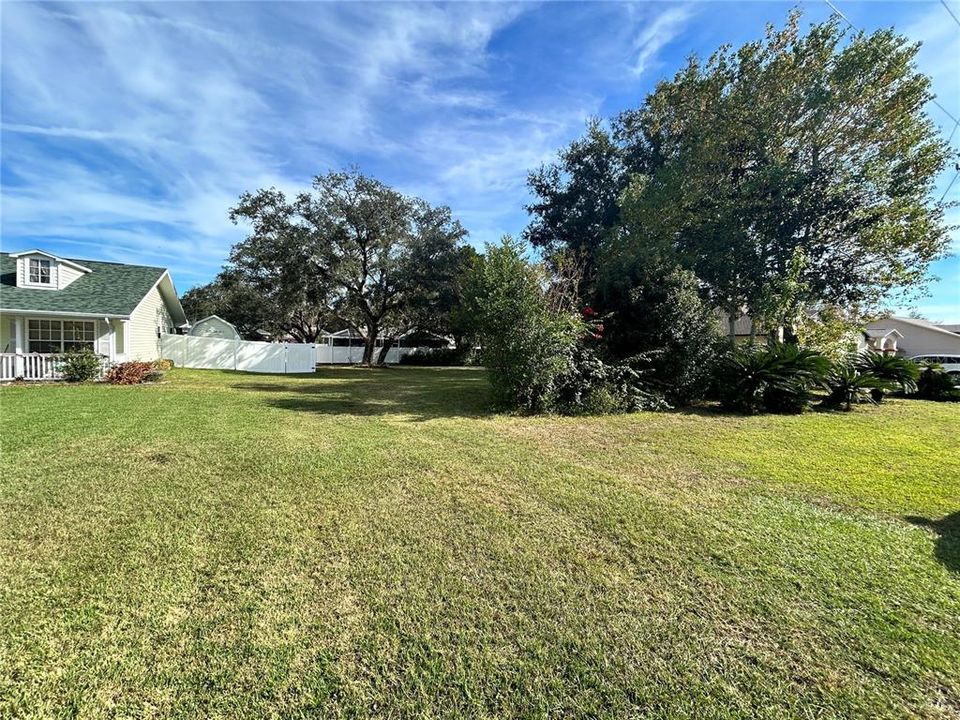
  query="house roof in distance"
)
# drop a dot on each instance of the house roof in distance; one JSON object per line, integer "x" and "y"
{"x": 107, "y": 289}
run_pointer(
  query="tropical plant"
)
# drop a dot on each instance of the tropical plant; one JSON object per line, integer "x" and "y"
{"x": 899, "y": 373}
{"x": 849, "y": 385}
{"x": 79, "y": 365}
{"x": 935, "y": 384}
{"x": 780, "y": 378}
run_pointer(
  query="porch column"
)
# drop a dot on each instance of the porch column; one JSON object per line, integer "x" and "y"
{"x": 125, "y": 332}
{"x": 111, "y": 340}
{"x": 19, "y": 343}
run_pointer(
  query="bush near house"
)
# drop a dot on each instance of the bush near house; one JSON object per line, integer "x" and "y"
{"x": 80, "y": 365}
{"x": 132, "y": 372}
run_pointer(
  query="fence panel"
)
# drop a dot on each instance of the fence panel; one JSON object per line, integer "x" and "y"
{"x": 301, "y": 357}
{"x": 210, "y": 353}
{"x": 259, "y": 357}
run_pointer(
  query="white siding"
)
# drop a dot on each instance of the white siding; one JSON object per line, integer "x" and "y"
{"x": 65, "y": 275}
{"x": 918, "y": 339}
{"x": 151, "y": 314}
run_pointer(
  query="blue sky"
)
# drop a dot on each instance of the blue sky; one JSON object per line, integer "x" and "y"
{"x": 128, "y": 130}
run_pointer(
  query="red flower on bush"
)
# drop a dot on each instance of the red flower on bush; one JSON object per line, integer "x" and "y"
{"x": 589, "y": 311}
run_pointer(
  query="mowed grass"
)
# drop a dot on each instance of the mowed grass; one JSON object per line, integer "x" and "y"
{"x": 377, "y": 543}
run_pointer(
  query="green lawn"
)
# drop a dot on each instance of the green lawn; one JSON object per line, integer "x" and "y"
{"x": 376, "y": 543}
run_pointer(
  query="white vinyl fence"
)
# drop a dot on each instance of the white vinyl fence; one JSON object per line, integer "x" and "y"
{"x": 328, "y": 354}
{"x": 212, "y": 353}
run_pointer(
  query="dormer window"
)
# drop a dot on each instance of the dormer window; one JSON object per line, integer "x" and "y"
{"x": 40, "y": 271}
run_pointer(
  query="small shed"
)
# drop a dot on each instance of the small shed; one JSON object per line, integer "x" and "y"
{"x": 215, "y": 327}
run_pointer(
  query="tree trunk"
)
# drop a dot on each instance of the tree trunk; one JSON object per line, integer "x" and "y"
{"x": 732, "y": 327}
{"x": 387, "y": 344}
{"x": 370, "y": 343}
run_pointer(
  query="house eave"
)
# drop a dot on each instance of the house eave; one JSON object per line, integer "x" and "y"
{"x": 67, "y": 313}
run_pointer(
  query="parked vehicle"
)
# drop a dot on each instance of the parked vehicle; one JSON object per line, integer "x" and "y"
{"x": 949, "y": 363}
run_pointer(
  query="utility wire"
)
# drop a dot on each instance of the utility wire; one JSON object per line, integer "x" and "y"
{"x": 850, "y": 23}
{"x": 955, "y": 175}
{"x": 955, "y": 19}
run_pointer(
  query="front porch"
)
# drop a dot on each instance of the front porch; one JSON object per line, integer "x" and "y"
{"x": 30, "y": 344}
{"x": 36, "y": 366}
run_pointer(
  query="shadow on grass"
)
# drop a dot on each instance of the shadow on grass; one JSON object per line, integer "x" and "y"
{"x": 420, "y": 393}
{"x": 947, "y": 549}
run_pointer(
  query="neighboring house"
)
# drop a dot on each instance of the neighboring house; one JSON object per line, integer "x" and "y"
{"x": 50, "y": 304}
{"x": 909, "y": 337}
{"x": 216, "y": 327}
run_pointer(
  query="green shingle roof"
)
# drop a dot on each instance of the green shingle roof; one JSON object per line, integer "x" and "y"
{"x": 109, "y": 289}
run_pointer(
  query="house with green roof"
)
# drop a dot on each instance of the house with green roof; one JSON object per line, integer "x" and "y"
{"x": 51, "y": 304}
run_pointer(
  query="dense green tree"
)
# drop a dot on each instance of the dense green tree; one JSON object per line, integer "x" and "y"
{"x": 791, "y": 172}
{"x": 352, "y": 251}
{"x": 810, "y": 145}
{"x": 526, "y": 344}
{"x": 576, "y": 197}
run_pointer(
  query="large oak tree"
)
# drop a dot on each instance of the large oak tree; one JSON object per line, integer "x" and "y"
{"x": 352, "y": 251}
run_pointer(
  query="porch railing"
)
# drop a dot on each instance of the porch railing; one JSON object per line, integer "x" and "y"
{"x": 34, "y": 366}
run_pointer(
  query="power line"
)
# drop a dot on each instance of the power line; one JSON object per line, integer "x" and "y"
{"x": 955, "y": 126}
{"x": 850, "y": 23}
{"x": 955, "y": 19}
{"x": 957, "y": 173}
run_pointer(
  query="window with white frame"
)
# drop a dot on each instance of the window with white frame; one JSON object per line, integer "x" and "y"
{"x": 39, "y": 271}
{"x": 56, "y": 336}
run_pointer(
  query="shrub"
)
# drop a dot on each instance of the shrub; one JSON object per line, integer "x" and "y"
{"x": 780, "y": 378}
{"x": 897, "y": 372}
{"x": 163, "y": 364}
{"x": 935, "y": 384}
{"x": 541, "y": 349}
{"x": 133, "y": 372}
{"x": 591, "y": 386}
{"x": 526, "y": 345}
{"x": 658, "y": 312}
{"x": 438, "y": 357}
{"x": 849, "y": 385}
{"x": 79, "y": 365}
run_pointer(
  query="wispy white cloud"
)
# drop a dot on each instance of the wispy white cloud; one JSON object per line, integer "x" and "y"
{"x": 140, "y": 125}
{"x": 656, "y": 33}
